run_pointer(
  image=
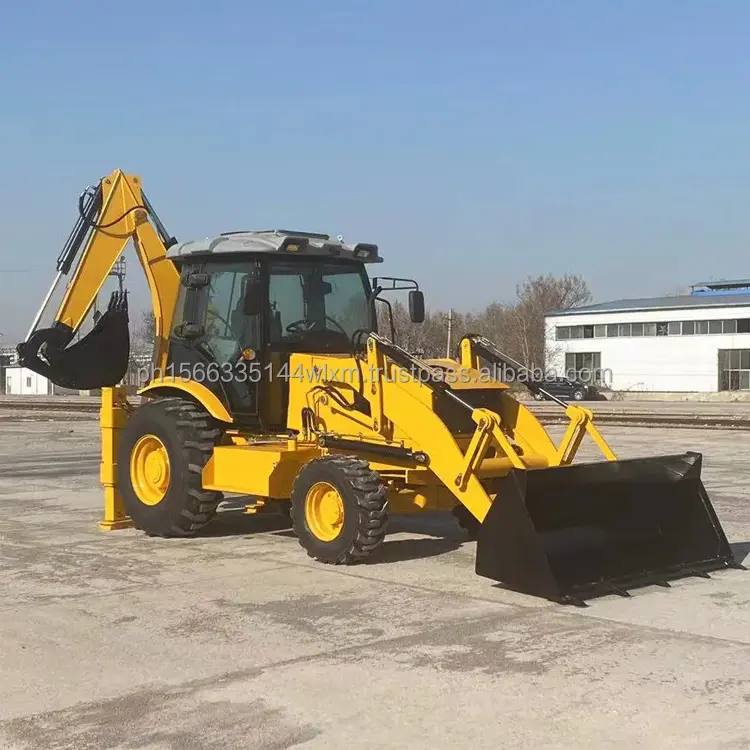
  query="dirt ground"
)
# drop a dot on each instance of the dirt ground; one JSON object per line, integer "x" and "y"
{"x": 237, "y": 640}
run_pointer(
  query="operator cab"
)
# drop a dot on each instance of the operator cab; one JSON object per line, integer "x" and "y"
{"x": 248, "y": 300}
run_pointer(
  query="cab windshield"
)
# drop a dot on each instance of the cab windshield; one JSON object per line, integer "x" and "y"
{"x": 317, "y": 305}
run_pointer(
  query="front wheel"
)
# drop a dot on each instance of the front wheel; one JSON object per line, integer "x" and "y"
{"x": 339, "y": 509}
{"x": 163, "y": 448}
{"x": 578, "y": 395}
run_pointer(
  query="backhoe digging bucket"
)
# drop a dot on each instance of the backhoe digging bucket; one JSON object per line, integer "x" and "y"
{"x": 576, "y": 532}
{"x": 100, "y": 359}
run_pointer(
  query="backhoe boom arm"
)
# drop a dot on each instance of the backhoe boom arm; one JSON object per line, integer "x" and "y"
{"x": 110, "y": 215}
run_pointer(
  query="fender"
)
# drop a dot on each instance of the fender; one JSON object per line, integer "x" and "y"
{"x": 198, "y": 391}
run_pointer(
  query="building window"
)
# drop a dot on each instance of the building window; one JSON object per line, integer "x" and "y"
{"x": 734, "y": 369}
{"x": 673, "y": 328}
{"x": 28, "y": 382}
{"x": 584, "y": 366}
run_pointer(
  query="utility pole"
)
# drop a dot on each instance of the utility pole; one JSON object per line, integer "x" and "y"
{"x": 118, "y": 270}
{"x": 450, "y": 324}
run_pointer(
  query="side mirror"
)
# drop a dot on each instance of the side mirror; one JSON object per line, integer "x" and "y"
{"x": 416, "y": 306}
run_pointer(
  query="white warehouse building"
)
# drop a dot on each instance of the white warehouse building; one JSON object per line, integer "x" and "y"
{"x": 698, "y": 342}
{"x": 20, "y": 381}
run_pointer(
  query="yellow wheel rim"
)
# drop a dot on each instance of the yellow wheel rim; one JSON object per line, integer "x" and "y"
{"x": 149, "y": 470}
{"x": 324, "y": 511}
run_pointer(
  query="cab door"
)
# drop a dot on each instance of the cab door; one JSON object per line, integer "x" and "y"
{"x": 219, "y": 341}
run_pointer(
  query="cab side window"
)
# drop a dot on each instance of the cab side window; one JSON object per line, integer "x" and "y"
{"x": 228, "y": 330}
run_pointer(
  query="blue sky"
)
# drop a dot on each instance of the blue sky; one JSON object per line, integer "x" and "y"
{"x": 475, "y": 142}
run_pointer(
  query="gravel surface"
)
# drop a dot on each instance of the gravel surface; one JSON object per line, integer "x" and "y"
{"x": 237, "y": 640}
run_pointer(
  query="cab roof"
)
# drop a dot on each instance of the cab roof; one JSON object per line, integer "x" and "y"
{"x": 281, "y": 241}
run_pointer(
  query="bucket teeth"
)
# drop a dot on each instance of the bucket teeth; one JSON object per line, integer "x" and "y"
{"x": 576, "y": 532}
{"x": 99, "y": 360}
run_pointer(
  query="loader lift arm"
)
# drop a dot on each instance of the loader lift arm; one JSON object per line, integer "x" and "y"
{"x": 111, "y": 214}
{"x": 407, "y": 401}
{"x": 474, "y": 347}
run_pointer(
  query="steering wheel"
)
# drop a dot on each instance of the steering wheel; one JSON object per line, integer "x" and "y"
{"x": 300, "y": 326}
{"x": 303, "y": 326}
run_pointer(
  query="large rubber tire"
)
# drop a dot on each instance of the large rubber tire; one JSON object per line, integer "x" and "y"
{"x": 189, "y": 434}
{"x": 364, "y": 499}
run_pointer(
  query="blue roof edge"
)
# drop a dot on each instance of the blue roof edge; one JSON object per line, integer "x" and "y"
{"x": 683, "y": 302}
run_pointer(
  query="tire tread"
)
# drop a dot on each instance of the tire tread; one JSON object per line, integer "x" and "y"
{"x": 197, "y": 437}
{"x": 371, "y": 500}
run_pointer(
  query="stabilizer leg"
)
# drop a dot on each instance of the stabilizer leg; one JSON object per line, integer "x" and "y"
{"x": 113, "y": 416}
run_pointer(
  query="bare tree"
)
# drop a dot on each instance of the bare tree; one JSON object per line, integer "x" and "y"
{"x": 426, "y": 339}
{"x": 518, "y": 327}
{"x": 145, "y": 332}
{"x": 536, "y": 297}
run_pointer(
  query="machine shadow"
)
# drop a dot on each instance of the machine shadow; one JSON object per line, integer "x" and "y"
{"x": 401, "y": 550}
{"x": 237, "y": 523}
{"x": 438, "y": 533}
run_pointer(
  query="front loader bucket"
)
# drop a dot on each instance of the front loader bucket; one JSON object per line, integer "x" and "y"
{"x": 575, "y": 532}
{"x": 100, "y": 359}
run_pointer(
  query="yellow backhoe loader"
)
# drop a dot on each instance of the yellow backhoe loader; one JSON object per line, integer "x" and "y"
{"x": 270, "y": 379}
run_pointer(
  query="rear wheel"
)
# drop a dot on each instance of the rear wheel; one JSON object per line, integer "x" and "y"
{"x": 162, "y": 451}
{"x": 338, "y": 509}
